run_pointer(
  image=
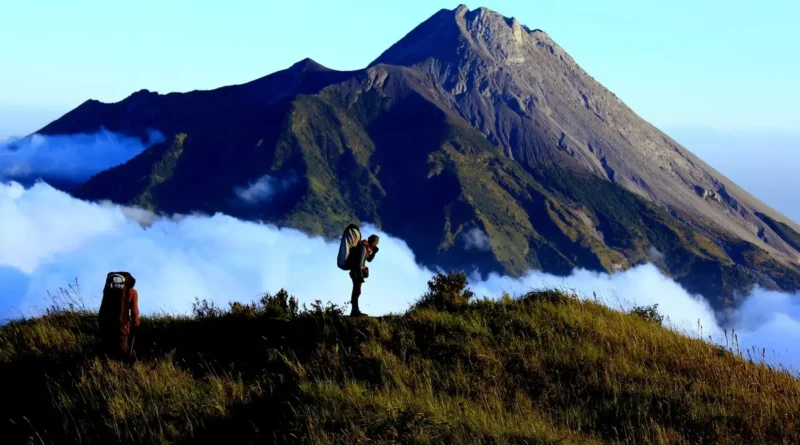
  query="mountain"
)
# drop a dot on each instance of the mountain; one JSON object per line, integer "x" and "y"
{"x": 477, "y": 140}
{"x": 543, "y": 368}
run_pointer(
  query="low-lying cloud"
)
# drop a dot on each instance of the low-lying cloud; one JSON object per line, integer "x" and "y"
{"x": 475, "y": 239}
{"x": 175, "y": 260}
{"x": 264, "y": 189}
{"x": 72, "y": 158}
{"x": 222, "y": 259}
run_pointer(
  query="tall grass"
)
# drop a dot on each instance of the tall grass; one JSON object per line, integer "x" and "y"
{"x": 541, "y": 368}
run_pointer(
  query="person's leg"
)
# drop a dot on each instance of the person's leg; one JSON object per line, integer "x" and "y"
{"x": 107, "y": 343}
{"x": 122, "y": 346}
{"x": 354, "y": 296}
{"x": 122, "y": 341}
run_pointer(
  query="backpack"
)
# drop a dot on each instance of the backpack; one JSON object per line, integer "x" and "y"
{"x": 115, "y": 300}
{"x": 350, "y": 239}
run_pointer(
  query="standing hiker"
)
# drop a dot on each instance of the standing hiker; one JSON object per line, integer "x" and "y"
{"x": 353, "y": 254}
{"x": 119, "y": 312}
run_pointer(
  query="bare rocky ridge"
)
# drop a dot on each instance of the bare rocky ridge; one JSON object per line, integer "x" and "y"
{"x": 528, "y": 96}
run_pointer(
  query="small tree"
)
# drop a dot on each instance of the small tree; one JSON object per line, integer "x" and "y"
{"x": 446, "y": 293}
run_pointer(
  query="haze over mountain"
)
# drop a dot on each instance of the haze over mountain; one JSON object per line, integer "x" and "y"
{"x": 474, "y": 138}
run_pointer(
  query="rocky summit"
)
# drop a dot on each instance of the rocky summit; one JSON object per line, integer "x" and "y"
{"x": 476, "y": 139}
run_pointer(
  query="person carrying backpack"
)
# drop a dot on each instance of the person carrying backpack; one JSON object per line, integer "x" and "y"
{"x": 119, "y": 312}
{"x": 353, "y": 255}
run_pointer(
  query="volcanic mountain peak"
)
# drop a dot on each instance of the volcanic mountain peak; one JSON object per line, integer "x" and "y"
{"x": 463, "y": 34}
{"x": 527, "y": 96}
{"x": 471, "y": 121}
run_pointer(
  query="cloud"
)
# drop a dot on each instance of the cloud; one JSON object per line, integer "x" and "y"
{"x": 175, "y": 260}
{"x": 475, "y": 239}
{"x": 224, "y": 259}
{"x": 72, "y": 158}
{"x": 654, "y": 254}
{"x": 264, "y": 189}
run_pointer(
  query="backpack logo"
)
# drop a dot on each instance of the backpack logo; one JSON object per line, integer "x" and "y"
{"x": 116, "y": 281}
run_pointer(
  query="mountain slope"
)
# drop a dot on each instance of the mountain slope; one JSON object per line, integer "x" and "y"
{"x": 466, "y": 140}
{"x": 527, "y": 95}
{"x": 543, "y": 368}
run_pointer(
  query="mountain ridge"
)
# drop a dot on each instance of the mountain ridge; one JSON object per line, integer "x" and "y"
{"x": 543, "y": 367}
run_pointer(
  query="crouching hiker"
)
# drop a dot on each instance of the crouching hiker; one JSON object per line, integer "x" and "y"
{"x": 353, "y": 255}
{"x": 119, "y": 312}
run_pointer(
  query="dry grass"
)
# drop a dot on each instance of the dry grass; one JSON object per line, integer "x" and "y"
{"x": 542, "y": 368}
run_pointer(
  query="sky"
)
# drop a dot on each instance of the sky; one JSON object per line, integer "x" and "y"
{"x": 765, "y": 163}
{"x": 725, "y": 64}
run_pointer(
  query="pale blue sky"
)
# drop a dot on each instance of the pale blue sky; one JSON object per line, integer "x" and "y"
{"x": 720, "y": 63}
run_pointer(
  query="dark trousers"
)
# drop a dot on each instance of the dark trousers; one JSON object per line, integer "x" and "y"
{"x": 357, "y": 282}
{"x": 115, "y": 342}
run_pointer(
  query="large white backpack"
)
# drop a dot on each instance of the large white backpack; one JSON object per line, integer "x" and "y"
{"x": 350, "y": 239}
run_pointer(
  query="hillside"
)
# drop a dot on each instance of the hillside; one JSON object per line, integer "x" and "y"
{"x": 539, "y": 369}
{"x": 472, "y": 124}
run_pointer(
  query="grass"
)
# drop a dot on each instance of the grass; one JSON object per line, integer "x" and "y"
{"x": 541, "y": 368}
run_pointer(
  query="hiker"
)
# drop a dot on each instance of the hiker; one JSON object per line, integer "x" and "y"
{"x": 353, "y": 255}
{"x": 119, "y": 312}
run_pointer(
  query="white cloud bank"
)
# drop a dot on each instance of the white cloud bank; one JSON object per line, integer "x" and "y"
{"x": 74, "y": 158}
{"x": 48, "y": 239}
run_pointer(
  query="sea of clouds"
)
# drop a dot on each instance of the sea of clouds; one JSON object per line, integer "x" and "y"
{"x": 74, "y": 158}
{"x": 49, "y": 239}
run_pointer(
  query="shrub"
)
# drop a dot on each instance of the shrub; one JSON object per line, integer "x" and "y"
{"x": 648, "y": 313}
{"x": 549, "y": 296}
{"x": 446, "y": 293}
{"x": 204, "y": 309}
{"x": 244, "y": 310}
{"x": 329, "y": 310}
{"x": 280, "y": 305}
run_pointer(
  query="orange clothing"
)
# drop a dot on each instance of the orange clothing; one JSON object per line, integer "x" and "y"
{"x": 134, "y": 308}
{"x": 130, "y": 312}
{"x": 116, "y": 327}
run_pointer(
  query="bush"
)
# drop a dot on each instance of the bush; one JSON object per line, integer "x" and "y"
{"x": 280, "y": 305}
{"x": 329, "y": 310}
{"x": 648, "y": 313}
{"x": 549, "y": 296}
{"x": 204, "y": 309}
{"x": 446, "y": 293}
{"x": 244, "y": 310}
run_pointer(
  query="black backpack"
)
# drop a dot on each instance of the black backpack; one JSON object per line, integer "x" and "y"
{"x": 116, "y": 293}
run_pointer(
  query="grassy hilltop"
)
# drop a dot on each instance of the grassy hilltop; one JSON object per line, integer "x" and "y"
{"x": 542, "y": 368}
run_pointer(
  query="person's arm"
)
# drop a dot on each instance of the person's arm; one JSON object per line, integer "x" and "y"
{"x": 361, "y": 256}
{"x": 372, "y": 254}
{"x": 135, "y": 308}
